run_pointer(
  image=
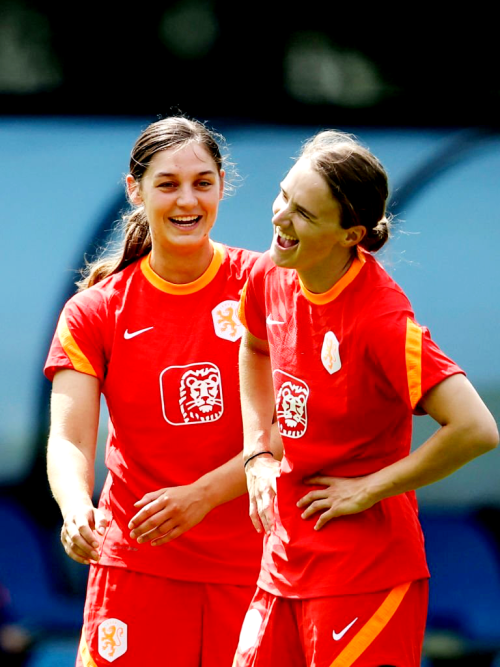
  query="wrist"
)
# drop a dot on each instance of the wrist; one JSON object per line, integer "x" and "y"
{"x": 252, "y": 457}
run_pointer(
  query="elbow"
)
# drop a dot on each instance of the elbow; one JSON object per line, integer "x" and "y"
{"x": 484, "y": 436}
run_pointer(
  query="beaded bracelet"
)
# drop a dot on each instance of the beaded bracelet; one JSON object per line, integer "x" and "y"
{"x": 266, "y": 451}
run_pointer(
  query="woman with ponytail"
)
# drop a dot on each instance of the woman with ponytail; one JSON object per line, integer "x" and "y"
{"x": 173, "y": 555}
{"x": 333, "y": 347}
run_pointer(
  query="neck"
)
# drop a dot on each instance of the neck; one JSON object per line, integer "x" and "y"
{"x": 320, "y": 280}
{"x": 181, "y": 267}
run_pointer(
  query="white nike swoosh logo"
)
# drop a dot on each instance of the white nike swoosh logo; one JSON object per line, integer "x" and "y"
{"x": 271, "y": 321}
{"x": 336, "y": 636}
{"x": 128, "y": 335}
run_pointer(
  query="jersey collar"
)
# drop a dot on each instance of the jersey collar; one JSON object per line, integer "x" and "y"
{"x": 340, "y": 285}
{"x": 185, "y": 288}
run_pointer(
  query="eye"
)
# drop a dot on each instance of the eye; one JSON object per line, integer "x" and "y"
{"x": 204, "y": 184}
{"x": 167, "y": 185}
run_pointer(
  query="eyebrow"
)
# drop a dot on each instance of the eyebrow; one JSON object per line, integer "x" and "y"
{"x": 299, "y": 207}
{"x": 170, "y": 174}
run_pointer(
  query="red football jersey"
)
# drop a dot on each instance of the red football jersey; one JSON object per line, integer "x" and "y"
{"x": 167, "y": 359}
{"x": 349, "y": 368}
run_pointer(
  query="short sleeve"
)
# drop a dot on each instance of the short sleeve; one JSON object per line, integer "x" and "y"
{"x": 405, "y": 353}
{"x": 252, "y": 309}
{"x": 77, "y": 343}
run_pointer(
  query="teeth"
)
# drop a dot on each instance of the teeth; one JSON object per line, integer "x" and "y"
{"x": 285, "y": 236}
{"x": 186, "y": 218}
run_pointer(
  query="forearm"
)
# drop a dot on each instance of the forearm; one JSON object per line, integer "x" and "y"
{"x": 467, "y": 431}
{"x": 257, "y": 399}
{"x": 70, "y": 473}
{"x": 441, "y": 455}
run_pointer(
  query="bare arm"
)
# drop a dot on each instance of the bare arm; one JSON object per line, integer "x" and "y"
{"x": 257, "y": 404}
{"x": 467, "y": 430}
{"x": 75, "y": 404}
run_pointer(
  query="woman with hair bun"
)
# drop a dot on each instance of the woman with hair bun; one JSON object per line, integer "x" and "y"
{"x": 173, "y": 555}
{"x": 333, "y": 347}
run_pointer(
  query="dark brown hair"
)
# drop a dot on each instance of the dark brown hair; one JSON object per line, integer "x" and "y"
{"x": 356, "y": 179}
{"x": 164, "y": 134}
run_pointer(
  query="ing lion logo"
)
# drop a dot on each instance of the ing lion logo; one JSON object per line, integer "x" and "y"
{"x": 226, "y": 322}
{"x": 200, "y": 395}
{"x": 112, "y": 639}
{"x": 291, "y": 405}
{"x": 191, "y": 394}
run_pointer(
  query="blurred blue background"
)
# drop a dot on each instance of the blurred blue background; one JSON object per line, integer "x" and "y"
{"x": 74, "y": 95}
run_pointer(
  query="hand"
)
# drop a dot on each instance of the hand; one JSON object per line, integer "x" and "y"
{"x": 80, "y": 532}
{"x": 341, "y": 496}
{"x": 166, "y": 514}
{"x": 261, "y": 482}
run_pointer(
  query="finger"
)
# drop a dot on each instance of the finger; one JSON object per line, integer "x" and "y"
{"x": 266, "y": 512}
{"x": 310, "y": 497}
{"x": 324, "y": 519}
{"x": 169, "y": 536}
{"x": 101, "y": 523}
{"x": 149, "y": 497}
{"x": 254, "y": 516}
{"x": 314, "y": 507}
{"x": 79, "y": 550}
{"x": 156, "y": 532}
{"x": 319, "y": 479}
{"x": 146, "y": 515}
{"x": 83, "y": 538}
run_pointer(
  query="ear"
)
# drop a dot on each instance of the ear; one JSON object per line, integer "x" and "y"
{"x": 222, "y": 176}
{"x": 133, "y": 190}
{"x": 353, "y": 236}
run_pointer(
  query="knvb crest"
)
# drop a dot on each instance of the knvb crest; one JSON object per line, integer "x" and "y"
{"x": 226, "y": 322}
{"x": 291, "y": 404}
{"x": 330, "y": 355}
{"x": 191, "y": 394}
{"x": 112, "y": 638}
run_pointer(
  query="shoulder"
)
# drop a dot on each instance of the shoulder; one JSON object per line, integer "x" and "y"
{"x": 239, "y": 261}
{"x": 382, "y": 293}
{"x": 97, "y": 298}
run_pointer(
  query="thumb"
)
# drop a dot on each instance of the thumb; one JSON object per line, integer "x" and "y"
{"x": 101, "y": 523}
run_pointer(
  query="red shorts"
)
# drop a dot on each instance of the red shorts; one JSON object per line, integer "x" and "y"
{"x": 383, "y": 629}
{"x": 138, "y": 619}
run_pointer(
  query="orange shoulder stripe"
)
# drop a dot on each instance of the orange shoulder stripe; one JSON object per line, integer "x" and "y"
{"x": 372, "y": 628}
{"x": 241, "y": 306}
{"x": 87, "y": 659}
{"x": 72, "y": 349}
{"x": 413, "y": 350}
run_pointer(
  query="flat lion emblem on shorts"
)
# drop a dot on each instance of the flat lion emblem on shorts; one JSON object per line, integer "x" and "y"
{"x": 330, "y": 353}
{"x": 198, "y": 388}
{"x": 226, "y": 322}
{"x": 291, "y": 404}
{"x": 112, "y": 639}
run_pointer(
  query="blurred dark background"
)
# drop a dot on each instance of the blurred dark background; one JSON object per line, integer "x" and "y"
{"x": 419, "y": 86}
{"x": 272, "y": 62}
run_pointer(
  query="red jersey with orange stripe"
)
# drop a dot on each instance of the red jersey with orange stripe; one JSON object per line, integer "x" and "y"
{"x": 167, "y": 359}
{"x": 349, "y": 368}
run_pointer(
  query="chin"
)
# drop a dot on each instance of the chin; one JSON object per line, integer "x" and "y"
{"x": 279, "y": 257}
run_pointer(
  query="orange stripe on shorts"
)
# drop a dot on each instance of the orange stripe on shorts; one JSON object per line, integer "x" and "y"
{"x": 87, "y": 659}
{"x": 372, "y": 628}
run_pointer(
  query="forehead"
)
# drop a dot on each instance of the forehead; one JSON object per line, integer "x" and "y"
{"x": 309, "y": 188}
{"x": 189, "y": 158}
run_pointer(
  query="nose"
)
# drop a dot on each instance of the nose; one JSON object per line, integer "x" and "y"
{"x": 280, "y": 213}
{"x": 186, "y": 197}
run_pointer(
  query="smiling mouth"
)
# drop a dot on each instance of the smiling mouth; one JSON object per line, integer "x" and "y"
{"x": 284, "y": 241}
{"x": 185, "y": 220}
